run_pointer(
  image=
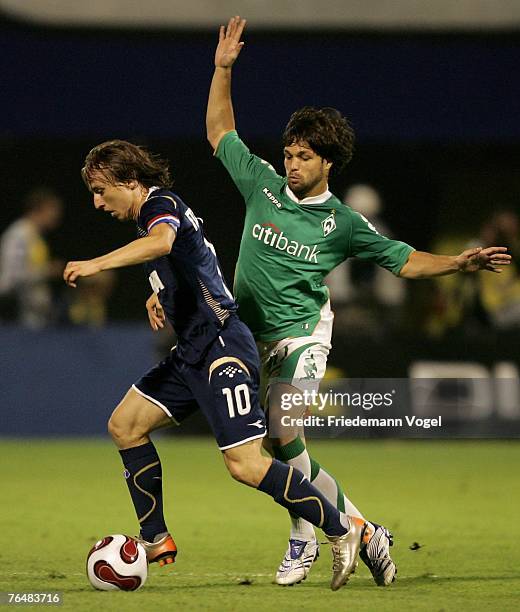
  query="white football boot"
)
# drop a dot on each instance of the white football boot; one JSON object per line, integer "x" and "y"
{"x": 375, "y": 553}
{"x": 297, "y": 562}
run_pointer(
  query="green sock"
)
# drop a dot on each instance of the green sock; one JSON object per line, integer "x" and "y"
{"x": 330, "y": 487}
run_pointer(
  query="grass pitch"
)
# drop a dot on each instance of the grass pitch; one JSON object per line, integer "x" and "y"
{"x": 457, "y": 500}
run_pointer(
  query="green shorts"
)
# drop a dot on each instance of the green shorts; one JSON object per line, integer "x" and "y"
{"x": 301, "y": 361}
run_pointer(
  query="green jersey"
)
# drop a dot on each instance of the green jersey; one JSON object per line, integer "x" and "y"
{"x": 288, "y": 247}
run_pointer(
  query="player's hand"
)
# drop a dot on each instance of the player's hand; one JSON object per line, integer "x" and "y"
{"x": 229, "y": 44}
{"x": 490, "y": 258}
{"x": 155, "y": 312}
{"x": 75, "y": 269}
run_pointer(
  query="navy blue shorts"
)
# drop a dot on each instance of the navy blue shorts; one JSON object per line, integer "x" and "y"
{"x": 224, "y": 385}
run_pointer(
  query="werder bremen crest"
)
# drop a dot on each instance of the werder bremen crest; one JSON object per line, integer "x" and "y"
{"x": 328, "y": 224}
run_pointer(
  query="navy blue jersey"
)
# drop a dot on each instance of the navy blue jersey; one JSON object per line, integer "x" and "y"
{"x": 188, "y": 280}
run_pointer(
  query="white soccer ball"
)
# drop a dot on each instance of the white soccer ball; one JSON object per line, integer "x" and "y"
{"x": 117, "y": 562}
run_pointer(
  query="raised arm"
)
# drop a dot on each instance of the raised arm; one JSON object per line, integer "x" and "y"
{"x": 219, "y": 116}
{"x": 426, "y": 265}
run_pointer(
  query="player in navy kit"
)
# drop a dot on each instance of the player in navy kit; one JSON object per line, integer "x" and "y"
{"x": 214, "y": 366}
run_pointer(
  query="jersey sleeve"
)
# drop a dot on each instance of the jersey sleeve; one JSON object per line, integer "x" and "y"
{"x": 368, "y": 244}
{"x": 160, "y": 209}
{"x": 245, "y": 169}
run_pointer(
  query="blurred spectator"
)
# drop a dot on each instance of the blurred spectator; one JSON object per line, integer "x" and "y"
{"x": 478, "y": 301}
{"x": 500, "y": 293}
{"x": 26, "y": 267}
{"x": 451, "y": 302}
{"x": 363, "y": 295}
{"x": 88, "y": 304}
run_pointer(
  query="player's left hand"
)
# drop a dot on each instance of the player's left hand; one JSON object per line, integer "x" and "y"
{"x": 155, "y": 312}
{"x": 75, "y": 269}
{"x": 490, "y": 258}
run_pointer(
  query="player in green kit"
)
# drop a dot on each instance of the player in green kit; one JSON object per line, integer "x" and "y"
{"x": 295, "y": 232}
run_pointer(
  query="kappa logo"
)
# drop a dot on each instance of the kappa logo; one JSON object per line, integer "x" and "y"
{"x": 328, "y": 225}
{"x": 271, "y": 197}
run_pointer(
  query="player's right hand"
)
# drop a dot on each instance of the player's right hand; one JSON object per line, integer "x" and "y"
{"x": 229, "y": 44}
{"x": 77, "y": 269}
{"x": 155, "y": 312}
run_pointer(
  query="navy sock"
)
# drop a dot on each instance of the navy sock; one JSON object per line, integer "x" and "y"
{"x": 143, "y": 475}
{"x": 289, "y": 488}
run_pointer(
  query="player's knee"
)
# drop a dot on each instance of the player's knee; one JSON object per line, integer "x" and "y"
{"x": 124, "y": 432}
{"x": 116, "y": 429}
{"x": 240, "y": 472}
{"x": 247, "y": 472}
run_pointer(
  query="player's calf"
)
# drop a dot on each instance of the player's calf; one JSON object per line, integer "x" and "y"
{"x": 142, "y": 470}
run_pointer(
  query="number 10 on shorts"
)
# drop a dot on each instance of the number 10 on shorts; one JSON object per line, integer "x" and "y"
{"x": 237, "y": 400}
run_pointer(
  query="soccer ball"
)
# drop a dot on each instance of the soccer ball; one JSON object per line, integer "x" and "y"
{"x": 117, "y": 562}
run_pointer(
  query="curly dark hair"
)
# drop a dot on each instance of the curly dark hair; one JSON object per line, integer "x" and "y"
{"x": 326, "y": 131}
{"x": 120, "y": 161}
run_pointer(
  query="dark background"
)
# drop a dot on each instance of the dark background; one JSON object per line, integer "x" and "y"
{"x": 437, "y": 119}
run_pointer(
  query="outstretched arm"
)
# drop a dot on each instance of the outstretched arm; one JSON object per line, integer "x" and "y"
{"x": 426, "y": 265}
{"x": 219, "y": 116}
{"x": 159, "y": 242}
